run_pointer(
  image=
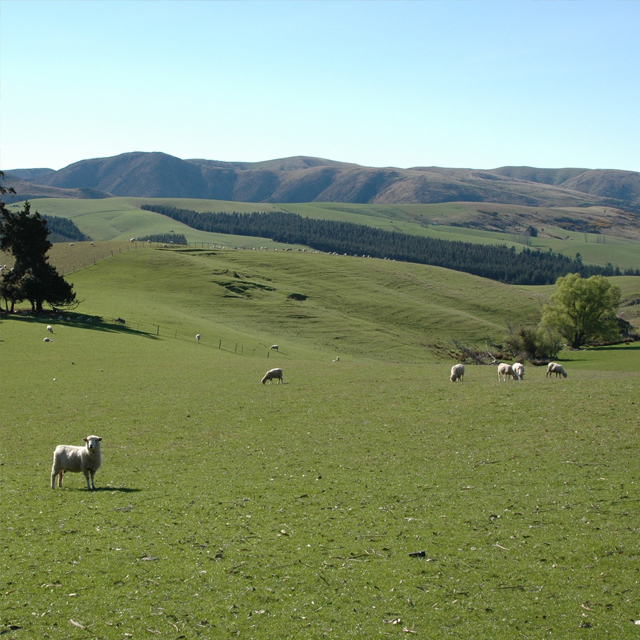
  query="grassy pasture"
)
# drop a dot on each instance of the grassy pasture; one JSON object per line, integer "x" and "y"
{"x": 121, "y": 219}
{"x": 227, "y": 508}
{"x": 230, "y": 508}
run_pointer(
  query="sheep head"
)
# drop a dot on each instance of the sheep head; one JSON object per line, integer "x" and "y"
{"x": 93, "y": 442}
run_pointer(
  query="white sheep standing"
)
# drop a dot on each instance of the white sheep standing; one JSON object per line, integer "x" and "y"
{"x": 558, "y": 369}
{"x": 198, "y": 336}
{"x": 273, "y": 374}
{"x": 518, "y": 369}
{"x": 505, "y": 370}
{"x": 274, "y": 347}
{"x": 87, "y": 459}
{"x": 49, "y": 328}
{"x": 457, "y": 372}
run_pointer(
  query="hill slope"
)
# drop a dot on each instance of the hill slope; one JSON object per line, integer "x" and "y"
{"x": 304, "y": 179}
{"x": 26, "y": 190}
{"x": 374, "y": 309}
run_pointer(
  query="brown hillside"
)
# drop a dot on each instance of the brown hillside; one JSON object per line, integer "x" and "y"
{"x": 305, "y": 179}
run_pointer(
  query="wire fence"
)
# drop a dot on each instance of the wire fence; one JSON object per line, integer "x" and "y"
{"x": 90, "y": 253}
{"x": 88, "y": 257}
{"x": 224, "y": 344}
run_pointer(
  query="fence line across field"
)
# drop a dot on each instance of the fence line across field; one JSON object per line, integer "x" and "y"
{"x": 103, "y": 255}
{"x": 142, "y": 326}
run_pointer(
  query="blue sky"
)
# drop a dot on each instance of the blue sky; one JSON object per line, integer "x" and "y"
{"x": 455, "y": 83}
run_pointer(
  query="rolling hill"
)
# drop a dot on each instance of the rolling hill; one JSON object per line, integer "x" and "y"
{"x": 374, "y": 310}
{"x": 305, "y": 179}
{"x": 27, "y": 190}
{"x": 600, "y": 235}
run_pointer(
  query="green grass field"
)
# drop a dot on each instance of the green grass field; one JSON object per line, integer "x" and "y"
{"x": 226, "y": 508}
{"x": 120, "y": 219}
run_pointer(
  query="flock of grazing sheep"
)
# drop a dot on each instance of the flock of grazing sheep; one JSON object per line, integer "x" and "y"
{"x": 88, "y": 458}
{"x": 514, "y": 371}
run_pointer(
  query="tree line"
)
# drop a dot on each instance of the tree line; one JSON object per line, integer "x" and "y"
{"x": 168, "y": 238}
{"x": 63, "y": 230}
{"x": 496, "y": 262}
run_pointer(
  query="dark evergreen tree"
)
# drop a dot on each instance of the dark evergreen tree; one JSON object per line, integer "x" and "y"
{"x": 25, "y": 236}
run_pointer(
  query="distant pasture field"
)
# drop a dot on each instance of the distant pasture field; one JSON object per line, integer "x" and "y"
{"x": 230, "y": 508}
{"x": 120, "y": 218}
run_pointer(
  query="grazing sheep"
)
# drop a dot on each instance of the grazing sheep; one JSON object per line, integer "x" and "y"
{"x": 49, "y": 328}
{"x": 505, "y": 370}
{"x": 198, "y": 337}
{"x": 132, "y": 239}
{"x": 47, "y": 340}
{"x": 87, "y": 459}
{"x": 273, "y": 374}
{"x": 558, "y": 369}
{"x": 337, "y": 359}
{"x": 274, "y": 347}
{"x": 518, "y": 369}
{"x": 457, "y": 372}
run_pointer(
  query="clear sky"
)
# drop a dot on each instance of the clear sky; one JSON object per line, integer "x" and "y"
{"x": 381, "y": 83}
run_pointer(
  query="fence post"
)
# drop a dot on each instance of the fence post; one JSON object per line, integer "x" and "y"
{"x": 220, "y": 344}
{"x": 158, "y": 331}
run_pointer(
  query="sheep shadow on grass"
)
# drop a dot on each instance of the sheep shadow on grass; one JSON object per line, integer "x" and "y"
{"x": 84, "y": 489}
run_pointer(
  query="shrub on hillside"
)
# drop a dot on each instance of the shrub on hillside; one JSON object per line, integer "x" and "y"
{"x": 532, "y": 343}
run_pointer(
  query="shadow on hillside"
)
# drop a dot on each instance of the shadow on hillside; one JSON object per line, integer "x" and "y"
{"x": 621, "y": 348}
{"x": 618, "y": 347}
{"x": 77, "y": 321}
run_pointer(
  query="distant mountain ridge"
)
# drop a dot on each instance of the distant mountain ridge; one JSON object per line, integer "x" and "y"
{"x": 307, "y": 179}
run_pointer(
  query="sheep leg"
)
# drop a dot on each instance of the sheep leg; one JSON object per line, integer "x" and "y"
{"x": 93, "y": 475}
{"x": 60, "y": 478}
{"x": 87, "y": 476}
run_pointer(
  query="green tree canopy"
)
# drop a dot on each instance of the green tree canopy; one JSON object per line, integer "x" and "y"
{"x": 583, "y": 310}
